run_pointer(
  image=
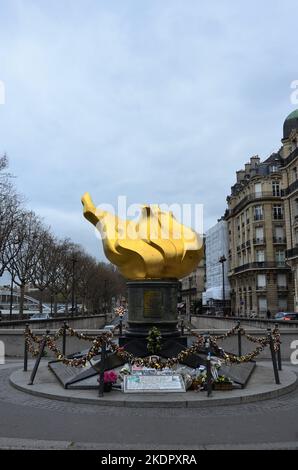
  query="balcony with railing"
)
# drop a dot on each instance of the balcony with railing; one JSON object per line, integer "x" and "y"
{"x": 292, "y": 252}
{"x": 252, "y": 198}
{"x": 279, "y": 240}
{"x": 261, "y": 288}
{"x": 258, "y": 217}
{"x": 290, "y": 189}
{"x": 282, "y": 288}
{"x": 290, "y": 158}
{"x": 259, "y": 241}
{"x": 261, "y": 265}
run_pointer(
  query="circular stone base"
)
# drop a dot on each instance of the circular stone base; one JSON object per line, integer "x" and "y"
{"x": 261, "y": 386}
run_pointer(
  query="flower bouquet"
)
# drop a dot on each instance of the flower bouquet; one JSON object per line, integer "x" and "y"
{"x": 109, "y": 378}
{"x": 223, "y": 383}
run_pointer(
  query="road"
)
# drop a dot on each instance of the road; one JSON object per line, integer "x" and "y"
{"x": 271, "y": 422}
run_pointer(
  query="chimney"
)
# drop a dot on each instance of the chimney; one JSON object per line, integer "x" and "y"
{"x": 247, "y": 168}
{"x": 254, "y": 161}
{"x": 240, "y": 175}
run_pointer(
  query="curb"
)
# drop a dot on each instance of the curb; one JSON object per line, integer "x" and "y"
{"x": 167, "y": 402}
{"x": 9, "y": 443}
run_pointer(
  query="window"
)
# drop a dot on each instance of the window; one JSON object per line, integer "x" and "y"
{"x": 261, "y": 280}
{"x": 258, "y": 189}
{"x": 296, "y": 236}
{"x": 279, "y": 233}
{"x": 258, "y": 212}
{"x": 275, "y": 188}
{"x": 296, "y": 208}
{"x": 273, "y": 168}
{"x": 259, "y": 234}
{"x": 277, "y": 212}
{"x": 282, "y": 304}
{"x": 282, "y": 280}
{"x": 280, "y": 257}
{"x": 260, "y": 255}
{"x": 262, "y": 304}
{"x": 294, "y": 173}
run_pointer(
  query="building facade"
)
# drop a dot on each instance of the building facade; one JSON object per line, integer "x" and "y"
{"x": 260, "y": 278}
{"x": 217, "y": 281}
{"x": 192, "y": 288}
{"x": 290, "y": 195}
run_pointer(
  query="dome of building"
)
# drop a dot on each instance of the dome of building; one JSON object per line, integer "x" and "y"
{"x": 290, "y": 123}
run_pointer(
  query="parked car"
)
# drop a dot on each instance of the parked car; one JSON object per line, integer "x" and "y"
{"x": 41, "y": 316}
{"x": 287, "y": 316}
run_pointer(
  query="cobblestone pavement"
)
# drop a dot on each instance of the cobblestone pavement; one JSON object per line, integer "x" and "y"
{"x": 27, "y": 416}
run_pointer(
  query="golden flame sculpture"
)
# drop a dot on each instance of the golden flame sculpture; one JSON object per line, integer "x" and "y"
{"x": 154, "y": 247}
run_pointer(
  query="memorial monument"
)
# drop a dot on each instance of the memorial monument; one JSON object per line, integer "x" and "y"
{"x": 152, "y": 254}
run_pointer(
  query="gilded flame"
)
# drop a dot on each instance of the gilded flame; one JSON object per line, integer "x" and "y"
{"x": 154, "y": 247}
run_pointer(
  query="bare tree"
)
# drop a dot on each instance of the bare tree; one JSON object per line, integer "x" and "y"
{"x": 22, "y": 252}
{"x": 41, "y": 272}
{"x": 9, "y": 213}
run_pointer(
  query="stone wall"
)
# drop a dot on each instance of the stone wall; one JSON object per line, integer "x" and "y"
{"x": 13, "y": 341}
{"x": 89, "y": 322}
{"x": 257, "y": 328}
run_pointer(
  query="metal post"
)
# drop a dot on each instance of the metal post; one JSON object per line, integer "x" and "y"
{"x": 26, "y": 349}
{"x": 102, "y": 369}
{"x": 278, "y": 353}
{"x": 222, "y": 260}
{"x": 64, "y": 338}
{"x": 41, "y": 350}
{"x": 120, "y": 326}
{"x": 182, "y": 327}
{"x": 190, "y": 284}
{"x": 208, "y": 366}
{"x": 273, "y": 356}
{"x": 239, "y": 340}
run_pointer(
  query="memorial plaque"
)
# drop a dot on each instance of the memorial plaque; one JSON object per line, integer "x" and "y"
{"x": 150, "y": 383}
{"x": 152, "y": 302}
{"x": 239, "y": 373}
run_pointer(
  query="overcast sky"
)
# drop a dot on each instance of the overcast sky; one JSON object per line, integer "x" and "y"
{"x": 159, "y": 100}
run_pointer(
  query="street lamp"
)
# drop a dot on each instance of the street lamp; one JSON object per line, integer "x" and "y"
{"x": 105, "y": 296}
{"x": 190, "y": 284}
{"x": 222, "y": 260}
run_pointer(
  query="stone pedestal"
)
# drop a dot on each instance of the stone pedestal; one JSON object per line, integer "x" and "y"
{"x": 152, "y": 303}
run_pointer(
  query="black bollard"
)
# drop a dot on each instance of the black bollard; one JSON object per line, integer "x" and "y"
{"x": 278, "y": 352}
{"x": 208, "y": 366}
{"x": 37, "y": 362}
{"x": 182, "y": 327}
{"x": 239, "y": 340}
{"x": 26, "y": 349}
{"x": 120, "y": 327}
{"x": 64, "y": 338}
{"x": 102, "y": 370}
{"x": 273, "y": 356}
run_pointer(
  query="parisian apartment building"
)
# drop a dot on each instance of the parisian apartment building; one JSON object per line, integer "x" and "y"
{"x": 262, "y": 230}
